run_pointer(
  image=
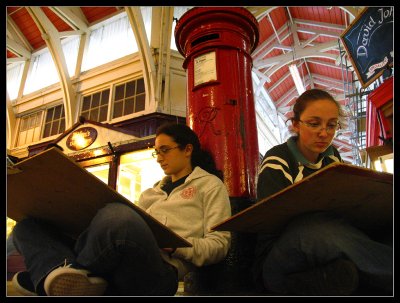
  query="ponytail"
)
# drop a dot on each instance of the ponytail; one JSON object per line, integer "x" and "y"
{"x": 205, "y": 160}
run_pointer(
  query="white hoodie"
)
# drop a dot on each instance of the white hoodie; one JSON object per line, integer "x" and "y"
{"x": 191, "y": 210}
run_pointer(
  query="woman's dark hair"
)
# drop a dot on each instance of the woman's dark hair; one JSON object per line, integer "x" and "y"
{"x": 312, "y": 95}
{"x": 183, "y": 135}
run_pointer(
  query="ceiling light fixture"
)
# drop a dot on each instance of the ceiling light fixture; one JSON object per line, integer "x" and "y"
{"x": 296, "y": 78}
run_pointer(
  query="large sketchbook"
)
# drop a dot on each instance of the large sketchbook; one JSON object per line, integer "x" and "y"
{"x": 52, "y": 187}
{"x": 362, "y": 196}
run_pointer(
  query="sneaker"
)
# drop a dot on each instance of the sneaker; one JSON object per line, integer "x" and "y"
{"x": 23, "y": 284}
{"x": 339, "y": 278}
{"x": 69, "y": 281}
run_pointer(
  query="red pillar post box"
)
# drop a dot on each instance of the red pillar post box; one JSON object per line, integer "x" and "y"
{"x": 216, "y": 43}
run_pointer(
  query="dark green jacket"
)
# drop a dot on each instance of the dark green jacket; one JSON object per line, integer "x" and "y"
{"x": 283, "y": 165}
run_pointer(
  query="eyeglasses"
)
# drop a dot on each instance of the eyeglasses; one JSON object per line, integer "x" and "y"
{"x": 318, "y": 127}
{"x": 162, "y": 151}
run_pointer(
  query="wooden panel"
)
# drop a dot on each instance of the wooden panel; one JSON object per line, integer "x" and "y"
{"x": 96, "y": 13}
{"x": 58, "y": 23}
{"x": 51, "y": 187}
{"x": 28, "y": 27}
{"x": 362, "y": 196}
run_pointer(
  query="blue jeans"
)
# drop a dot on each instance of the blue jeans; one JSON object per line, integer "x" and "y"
{"x": 319, "y": 238}
{"x": 117, "y": 245}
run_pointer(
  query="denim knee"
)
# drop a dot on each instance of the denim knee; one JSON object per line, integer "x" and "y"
{"x": 22, "y": 230}
{"x": 116, "y": 217}
{"x": 23, "y": 225}
{"x": 115, "y": 231}
{"x": 321, "y": 229}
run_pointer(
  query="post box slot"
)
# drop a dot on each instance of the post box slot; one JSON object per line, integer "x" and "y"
{"x": 205, "y": 39}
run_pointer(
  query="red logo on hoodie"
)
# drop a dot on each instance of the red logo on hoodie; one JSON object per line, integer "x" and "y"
{"x": 188, "y": 193}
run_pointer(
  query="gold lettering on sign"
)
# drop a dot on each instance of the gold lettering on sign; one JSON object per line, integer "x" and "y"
{"x": 81, "y": 138}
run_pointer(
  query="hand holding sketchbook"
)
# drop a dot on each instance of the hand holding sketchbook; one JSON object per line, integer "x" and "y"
{"x": 52, "y": 187}
{"x": 362, "y": 196}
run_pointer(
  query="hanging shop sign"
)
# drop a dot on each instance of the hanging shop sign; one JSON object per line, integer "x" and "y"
{"x": 81, "y": 138}
{"x": 369, "y": 43}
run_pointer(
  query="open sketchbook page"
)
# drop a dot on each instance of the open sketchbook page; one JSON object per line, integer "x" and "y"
{"x": 54, "y": 188}
{"x": 362, "y": 196}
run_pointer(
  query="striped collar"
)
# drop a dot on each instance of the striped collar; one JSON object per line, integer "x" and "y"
{"x": 301, "y": 160}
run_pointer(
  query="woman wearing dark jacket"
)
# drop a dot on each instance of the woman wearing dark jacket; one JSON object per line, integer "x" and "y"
{"x": 316, "y": 253}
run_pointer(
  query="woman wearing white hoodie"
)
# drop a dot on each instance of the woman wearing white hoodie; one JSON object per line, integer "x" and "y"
{"x": 118, "y": 254}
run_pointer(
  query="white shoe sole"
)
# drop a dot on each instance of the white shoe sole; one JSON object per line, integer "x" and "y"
{"x": 20, "y": 289}
{"x": 65, "y": 281}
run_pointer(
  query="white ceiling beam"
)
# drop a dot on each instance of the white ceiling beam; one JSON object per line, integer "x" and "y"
{"x": 327, "y": 79}
{"x": 323, "y": 63}
{"x": 15, "y": 60}
{"x": 282, "y": 116}
{"x": 276, "y": 67}
{"x": 338, "y": 97}
{"x": 293, "y": 29}
{"x": 273, "y": 27}
{"x": 299, "y": 53}
{"x": 52, "y": 38}
{"x": 319, "y": 32}
{"x": 285, "y": 109}
{"x": 68, "y": 16}
{"x": 263, "y": 78}
{"x": 163, "y": 77}
{"x": 11, "y": 122}
{"x": 281, "y": 47}
{"x": 155, "y": 42}
{"x": 352, "y": 10}
{"x": 320, "y": 24}
{"x": 149, "y": 70}
{"x": 271, "y": 39}
{"x": 15, "y": 34}
{"x": 309, "y": 73}
{"x": 309, "y": 40}
{"x": 260, "y": 12}
{"x": 17, "y": 48}
{"x": 77, "y": 11}
{"x": 287, "y": 74}
{"x": 328, "y": 85}
{"x": 24, "y": 76}
{"x": 70, "y": 33}
{"x": 83, "y": 44}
